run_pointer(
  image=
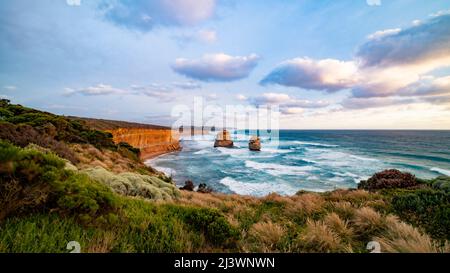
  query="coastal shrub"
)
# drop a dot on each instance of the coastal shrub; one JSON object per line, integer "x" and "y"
{"x": 23, "y": 135}
{"x": 440, "y": 183}
{"x": 133, "y": 184}
{"x": 389, "y": 179}
{"x": 64, "y": 129}
{"x": 210, "y": 222}
{"x": 429, "y": 209}
{"x": 25, "y": 178}
{"x": 34, "y": 180}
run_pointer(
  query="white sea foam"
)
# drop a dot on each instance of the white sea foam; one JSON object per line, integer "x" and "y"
{"x": 258, "y": 189}
{"x": 315, "y": 144}
{"x": 202, "y": 152}
{"x": 442, "y": 171}
{"x": 278, "y": 169}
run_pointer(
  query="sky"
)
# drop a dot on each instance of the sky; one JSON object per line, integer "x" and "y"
{"x": 326, "y": 64}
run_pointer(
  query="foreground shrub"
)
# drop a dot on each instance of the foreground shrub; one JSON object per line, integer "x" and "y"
{"x": 210, "y": 222}
{"x": 429, "y": 209}
{"x": 389, "y": 179}
{"x": 440, "y": 183}
{"x": 31, "y": 180}
{"x": 133, "y": 184}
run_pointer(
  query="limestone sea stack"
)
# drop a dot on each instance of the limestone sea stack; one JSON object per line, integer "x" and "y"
{"x": 254, "y": 144}
{"x": 223, "y": 139}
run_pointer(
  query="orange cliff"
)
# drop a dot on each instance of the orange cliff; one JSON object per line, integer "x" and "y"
{"x": 151, "y": 142}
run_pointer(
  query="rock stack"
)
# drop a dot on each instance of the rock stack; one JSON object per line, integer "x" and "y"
{"x": 223, "y": 139}
{"x": 254, "y": 144}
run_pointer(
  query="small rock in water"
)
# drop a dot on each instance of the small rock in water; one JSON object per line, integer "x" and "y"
{"x": 254, "y": 144}
{"x": 223, "y": 139}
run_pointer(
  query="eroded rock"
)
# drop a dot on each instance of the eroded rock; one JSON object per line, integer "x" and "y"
{"x": 223, "y": 139}
{"x": 254, "y": 144}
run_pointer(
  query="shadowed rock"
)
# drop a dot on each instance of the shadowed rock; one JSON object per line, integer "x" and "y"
{"x": 223, "y": 139}
{"x": 254, "y": 144}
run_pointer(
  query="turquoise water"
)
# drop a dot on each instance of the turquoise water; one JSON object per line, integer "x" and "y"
{"x": 307, "y": 160}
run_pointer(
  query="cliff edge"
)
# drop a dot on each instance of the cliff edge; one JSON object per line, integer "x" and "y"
{"x": 152, "y": 140}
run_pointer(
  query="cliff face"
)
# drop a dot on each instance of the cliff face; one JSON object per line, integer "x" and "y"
{"x": 152, "y": 142}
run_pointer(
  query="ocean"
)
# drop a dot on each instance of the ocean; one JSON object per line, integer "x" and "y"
{"x": 306, "y": 160}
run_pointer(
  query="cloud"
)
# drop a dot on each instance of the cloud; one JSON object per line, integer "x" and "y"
{"x": 98, "y": 90}
{"x": 427, "y": 43}
{"x": 383, "y": 33}
{"x": 160, "y": 92}
{"x": 392, "y": 62}
{"x": 292, "y": 111}
{"x": 241, "y": 97}
{"x": 206, "y": 36}
{"x": 10, "y": 88}
{"x": 145, "y": 15}
{"x": 328, "y": 75}
{"x": 217, "y": 67}
{"x": 364, "y": 103}
{"x": 427, "y": 86}
{"x": 285, "y": 101}
{"x": 187, "y": 85}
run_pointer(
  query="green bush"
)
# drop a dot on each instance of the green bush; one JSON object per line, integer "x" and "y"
{"x": 33, "y": 180}
{"x": 210, "y": 222}
{"x": 429, "y": 209}
{"x": 440, "y": 183}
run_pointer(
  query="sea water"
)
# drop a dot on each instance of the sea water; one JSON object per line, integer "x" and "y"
{"x": 306, "y": 160}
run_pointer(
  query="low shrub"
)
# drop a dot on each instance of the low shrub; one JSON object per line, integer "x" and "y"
{"x": 389, "y": 179}
{"x": 210, "y": 222}
{"x": 31, "y": 180}
{"x": 133, "y": 184}
{"x": 427, "y": 208}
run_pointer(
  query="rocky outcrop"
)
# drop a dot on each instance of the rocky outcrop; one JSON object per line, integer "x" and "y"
{"x": 254, "y": 144}
{"x": 223, "y": 139}
{"x": 151, "y": 142}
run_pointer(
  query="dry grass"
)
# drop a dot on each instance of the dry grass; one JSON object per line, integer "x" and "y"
{"x": 103, "y": 244}
{"x": 339, "y": 226}
{"x": 401, "y": 237}
{"x": 344, "y": 209}
{"x": 267, "y": 235}
{"x": 318, "y": 237}
{"x": 368, "y": 222}
{"x": 304, "y": 204}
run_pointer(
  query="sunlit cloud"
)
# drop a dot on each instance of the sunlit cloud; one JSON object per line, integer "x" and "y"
{"x": 217, "y": 67}
{"x": 97, "y": 90}
{"x": 328, "y": 75}
{"x": 392, "y": 62}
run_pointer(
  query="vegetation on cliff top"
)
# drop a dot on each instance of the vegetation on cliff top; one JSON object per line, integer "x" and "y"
{"x": 70, "y": 138}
